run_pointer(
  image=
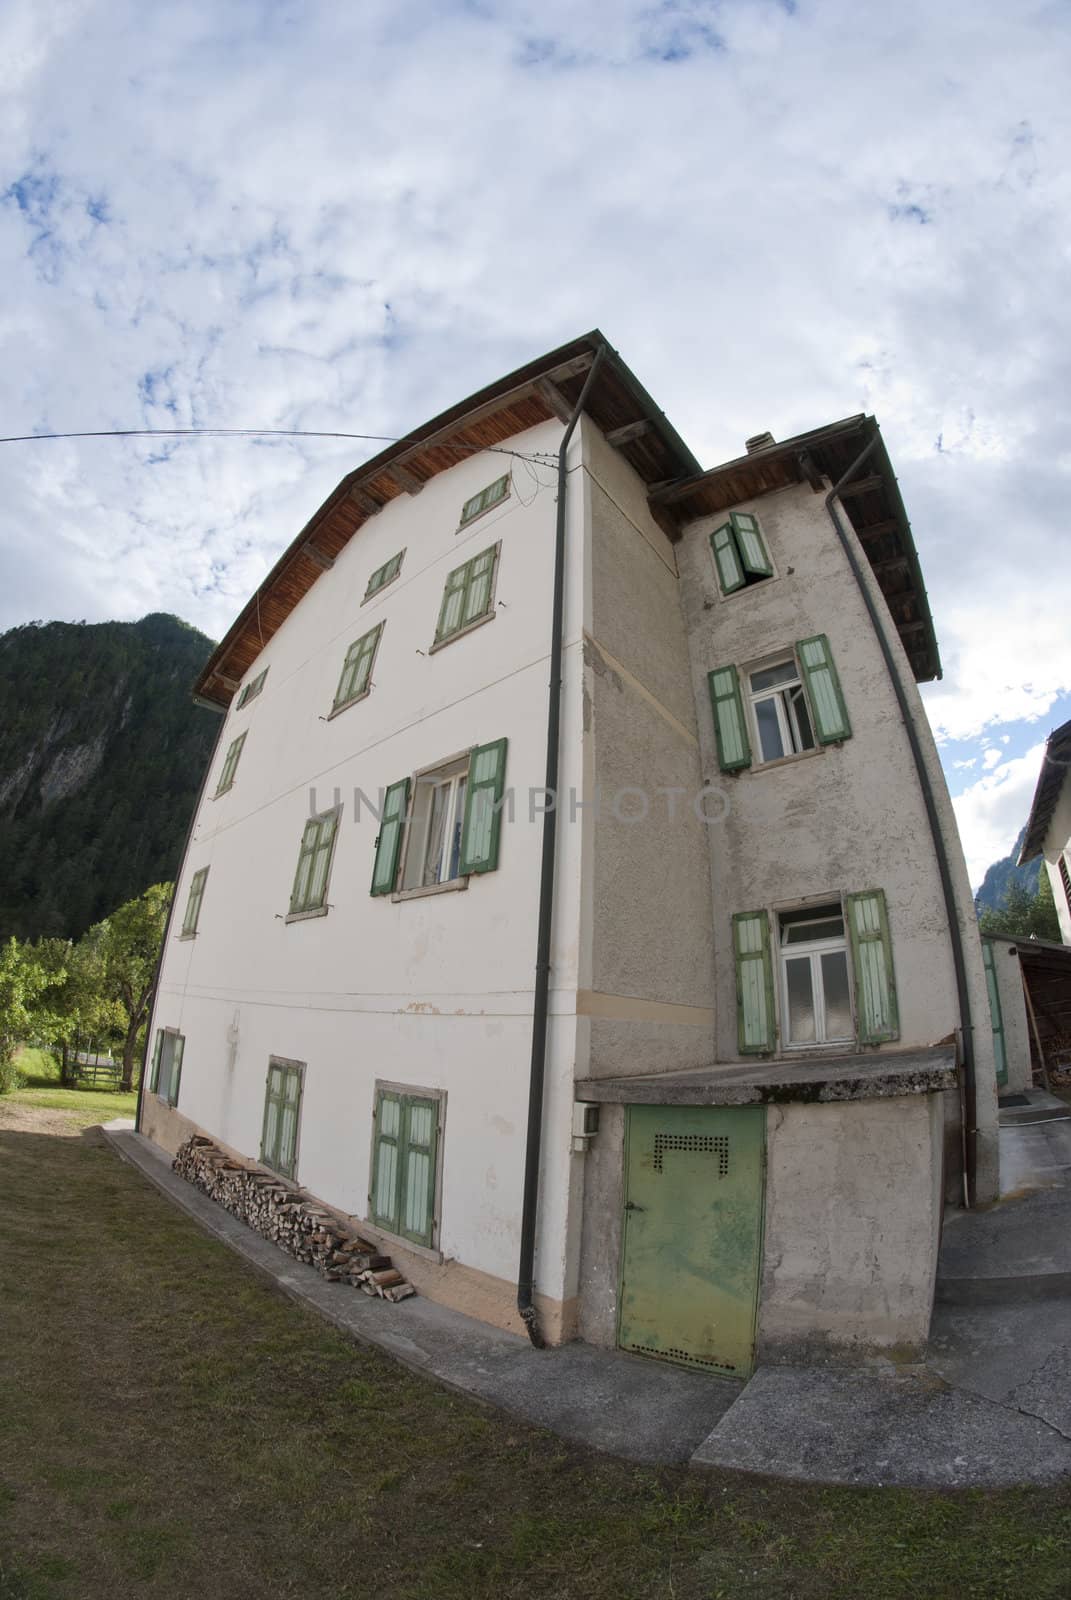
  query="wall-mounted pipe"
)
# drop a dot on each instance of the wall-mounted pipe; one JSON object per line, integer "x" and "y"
{"x": 959, "y": 960}
{"x": 537, "y": 1073}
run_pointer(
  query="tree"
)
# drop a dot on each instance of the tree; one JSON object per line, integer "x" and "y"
{"x": 1022, "y": 915}
{"x": 77, "y": 1005}
{"x": 22, "y": 979}
{"x": 129, "y": 946}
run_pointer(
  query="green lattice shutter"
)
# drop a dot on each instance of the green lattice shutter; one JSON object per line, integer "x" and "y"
{"x": 730, "y": 729}
{"x": 727, "y": 559}
{"x": 176, "y": 1070}
{"x": 389, "y": 840}
{"x": 750, "y": 544}
{"x": 823, "y": 689}
{"x": 154, "y": 1074}
{"x": 418, "y": 1170}
{"x": 193, "y": 904}
{"x": 483, "y": 808}
{"x": 357, "y": 668}
{"x": 996, "y": 1015}
{"x": 754, "y": 982}
{"x": 875, "y": 984}
{"x": 387, "y": 1165}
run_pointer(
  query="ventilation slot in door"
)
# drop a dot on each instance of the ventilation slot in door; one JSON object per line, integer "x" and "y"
{"x": 705, "y": 1144}
{"x": 682, "y": 1355}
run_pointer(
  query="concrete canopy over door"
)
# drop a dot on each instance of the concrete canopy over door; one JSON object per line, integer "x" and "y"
{"x": 693, "y": 1235}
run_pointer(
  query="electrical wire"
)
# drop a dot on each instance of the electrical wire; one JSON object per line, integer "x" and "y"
{"x": 273, "y": 433}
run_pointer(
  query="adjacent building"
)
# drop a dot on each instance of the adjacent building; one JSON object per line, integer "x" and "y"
{"x": 759, "y": 1037}
{"x": 1048, "y": 830}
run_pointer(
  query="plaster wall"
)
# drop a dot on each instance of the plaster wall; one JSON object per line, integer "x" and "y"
{"x": 846, "y": 817}
{"x": 433, "y": 992}
{"x": 1057, "y": 844}
{"x": 651, "y": 951}
{"x": 853, "y": 1210}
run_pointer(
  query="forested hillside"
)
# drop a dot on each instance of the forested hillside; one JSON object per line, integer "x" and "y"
{"x": 1003, "y": 874}
{"x": 101, "y": 756}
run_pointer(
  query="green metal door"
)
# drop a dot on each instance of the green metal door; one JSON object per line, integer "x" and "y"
{"x": 693, "y": 1234}
{"x": 996, "y": 1016}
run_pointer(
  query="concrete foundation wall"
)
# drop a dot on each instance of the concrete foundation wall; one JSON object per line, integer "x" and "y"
{"x": 853, "y": 1210}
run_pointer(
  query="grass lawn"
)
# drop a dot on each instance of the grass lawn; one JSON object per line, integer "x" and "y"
{"x": 171, "y": 1426}
{"x": 84, "y": 1106}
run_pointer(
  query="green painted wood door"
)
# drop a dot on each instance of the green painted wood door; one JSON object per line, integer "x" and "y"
{"x": 694, "y": 1178}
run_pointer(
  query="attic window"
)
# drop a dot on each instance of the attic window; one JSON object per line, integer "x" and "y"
{"x": 486, "y": 498}
{"x": 740, "y": 553}
{"x": 252, "y": 689}
{"x": 384, "y": 575}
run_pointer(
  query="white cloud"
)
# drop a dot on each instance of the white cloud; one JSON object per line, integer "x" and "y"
{"x": 992, "y": 810}
{"x": 349, "y": 217}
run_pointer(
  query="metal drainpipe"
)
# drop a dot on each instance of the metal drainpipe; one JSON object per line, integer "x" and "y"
{"x": 154, "y": 993}
{"x": 956, "y": 933}
{"x": 530, "y": 1208}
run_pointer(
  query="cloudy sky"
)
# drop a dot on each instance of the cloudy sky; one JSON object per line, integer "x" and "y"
{"x": 346, "y": 217}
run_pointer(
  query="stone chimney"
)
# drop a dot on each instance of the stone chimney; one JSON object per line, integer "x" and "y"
{"x": 758, "y": 441}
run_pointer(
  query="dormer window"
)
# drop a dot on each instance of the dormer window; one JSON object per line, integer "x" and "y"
{"x": 740, "y": 553}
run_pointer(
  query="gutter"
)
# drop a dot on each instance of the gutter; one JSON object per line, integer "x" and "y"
{"x": 959, "y": 961}
{"x": 154, "y": 992}
{"x": 533, "y": 1149}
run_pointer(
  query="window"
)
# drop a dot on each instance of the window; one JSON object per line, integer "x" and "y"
{"x": 230, "y": 764}
{"x": 355, "y": 681}
{"x": 795, "y": 704}
{"x": 740, "y": 555}
{"x": 1065, "y": 879}
{"x": 252, "y": 689}
{"x": 779, "y": 709}
{"x": 448, "y": 817}
{"x": 309, "y": 893}
{"x": 193, "y": 904}
{"x": 167, "y": 1065}
{"x": 404, "y": 1163}
{"x": 817, "y": 984}
{"x": 282, "y": 1113}
{"x": 816, "y": 1003}
{"x": 486, "y": 498}
{"x": 384, "y": 575}
{"x": 468, "y": 596}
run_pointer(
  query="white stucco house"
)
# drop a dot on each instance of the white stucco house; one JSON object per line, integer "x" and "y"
{"x": 1048, "y": 828}
{"x": 685, "y": 1062}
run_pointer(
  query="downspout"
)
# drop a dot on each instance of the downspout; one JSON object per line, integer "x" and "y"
{"x": 154, "y": 991}
{"x": 959, "y": 961}
{"x": 530, "y": 1207}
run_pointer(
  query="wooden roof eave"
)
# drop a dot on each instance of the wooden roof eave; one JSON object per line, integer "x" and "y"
{"x": 1055, "y": 764}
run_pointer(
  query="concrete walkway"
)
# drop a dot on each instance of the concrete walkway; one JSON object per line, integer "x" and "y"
{"x": 990, "y": 1406}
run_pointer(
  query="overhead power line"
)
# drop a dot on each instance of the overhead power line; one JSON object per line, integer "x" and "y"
{"x": 277, "y": 433}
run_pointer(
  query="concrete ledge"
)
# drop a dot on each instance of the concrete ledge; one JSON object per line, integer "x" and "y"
{"x": 641, "y": 1410}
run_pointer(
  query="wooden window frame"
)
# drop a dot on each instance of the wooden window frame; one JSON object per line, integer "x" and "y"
{"x": 488, "y": 614}
{"x": 409, "y": 1092}
{"x": 359, "y": 650}
{"x": 787, "y": 720}
{"x": 478, "y": 505}
{"x": 814, "y": 950}
{"x": 194, "y": 901}
{"x": 251, "y": 689}
{"x": 373, "y": 588}
{"x": 230, "y": 764}
{"x": 290, "y": 1068}
{"x": 321, "y": 907}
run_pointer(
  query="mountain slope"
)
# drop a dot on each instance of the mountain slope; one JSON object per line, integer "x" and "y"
{"x": 101, "y": 756}
{"x": 1002, "y": 874}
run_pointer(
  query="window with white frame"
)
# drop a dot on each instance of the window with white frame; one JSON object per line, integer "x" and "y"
{"x": 442, "y": 824}
{"x": 434, "y": 849}
{"x": 780, "y": 712}
{"x": 816, "y": 1002}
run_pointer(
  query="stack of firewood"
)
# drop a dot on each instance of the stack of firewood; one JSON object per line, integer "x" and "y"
{"x": 290, "y": 1219}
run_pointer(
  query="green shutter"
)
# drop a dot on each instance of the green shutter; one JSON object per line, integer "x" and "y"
{"x": 387, "y": 1165}
{"x": 486, "y": 498}
{"x": 467, "y": 595}
{"x": 453, "y": 601}
{"x": 389, "y": 841}
{"x": 875, "y": 985}
{"x": 357, "y": 668}
{"x": 730, "y": 729}
{"x": 823, "y": 689}
{"x": 754, "y": 982}
{"x": 314, "y": 863}
{"x": 154, "y": 1074}
{"x": 226, "y": 777}
{"x": 402, "y": 1193}
{"x": 384, "y": 575}
{"x": 749, "y": 542}
{"x": 726, "y": 559}
{"x": 483, "y": 808}
{"x": 996, "y": 1015}
{"x": 176, "y": 1069}
{"x": 282, "y": 1112}
{"x": 193, "y": 904}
